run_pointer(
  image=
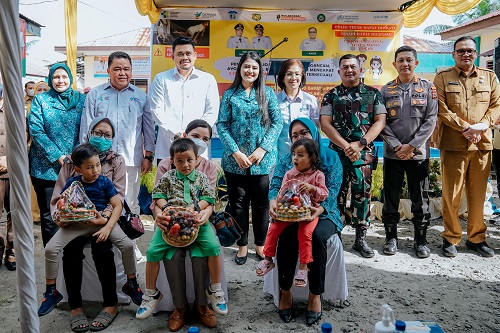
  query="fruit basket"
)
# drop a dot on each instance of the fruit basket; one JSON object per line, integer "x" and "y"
{"x": 74, "y": 205}
{"x": 293, "y": 205}
{"x": 182, "y": 228}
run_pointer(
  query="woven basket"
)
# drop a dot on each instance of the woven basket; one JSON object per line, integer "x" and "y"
{"x": 287, "y": 216}
{"x": 177, "y": 241}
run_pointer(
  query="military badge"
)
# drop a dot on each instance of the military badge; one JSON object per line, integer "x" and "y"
{"x": 392, "y": 112}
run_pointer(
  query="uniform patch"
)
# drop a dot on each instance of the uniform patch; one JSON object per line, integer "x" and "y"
{"x": 392, "y": 87}
{"x": 434, "y": 92}
{"x": 394, "y": 92}
{"x": 419, "y": 90}
{"x": 392, "y": 112}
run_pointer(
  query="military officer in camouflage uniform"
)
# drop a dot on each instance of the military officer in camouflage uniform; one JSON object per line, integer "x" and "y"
{"x": 411, "y": 104}
{"x": 352, "y": 115}
{"x": 238, "y": 41}
{"x": 469, "y": 105}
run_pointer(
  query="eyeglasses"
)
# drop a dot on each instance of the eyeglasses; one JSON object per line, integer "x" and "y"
{"x": 301, "y": 134}
{"x": 289, "y": 74}
{"x": 461, "y": 52}
{"x": 101, "y": 134}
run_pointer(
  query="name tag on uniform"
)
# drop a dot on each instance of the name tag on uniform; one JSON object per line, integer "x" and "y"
{"x": 454, "y": 83}
{"x": 418, "y": 102}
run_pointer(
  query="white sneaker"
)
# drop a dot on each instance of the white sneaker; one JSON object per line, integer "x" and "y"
{"x": 218, "y": 302}
{"x": 138, "y": 254}
{"x": 148, "y": 305}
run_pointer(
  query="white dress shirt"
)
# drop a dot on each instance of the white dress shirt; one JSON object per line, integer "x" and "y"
{"x": 129, "y": 110}
{"x": 312, "y": 45}
{"x": 176, "y": 101}
{"x": 263, "y": 42}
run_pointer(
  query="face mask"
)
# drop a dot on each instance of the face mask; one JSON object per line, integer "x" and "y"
{"x": 31, "y": 92}
{"x": 101, "y": 143}
{"x": 202, "y": 146}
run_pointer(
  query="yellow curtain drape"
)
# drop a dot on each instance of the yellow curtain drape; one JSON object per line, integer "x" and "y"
{"x": 70, "y": 30}
{"x": 419, "y": 11}
{"x": 148, "y": 7}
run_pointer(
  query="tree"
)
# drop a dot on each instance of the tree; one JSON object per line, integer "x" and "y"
{"x": 483, "y": 8}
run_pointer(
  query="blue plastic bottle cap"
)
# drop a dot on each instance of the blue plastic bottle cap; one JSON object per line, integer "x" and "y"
{"x": 193, "y": 330}
{"x": 400, "y": 325}
{"x": 326, "y": 328}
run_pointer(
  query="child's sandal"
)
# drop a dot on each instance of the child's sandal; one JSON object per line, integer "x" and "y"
{"x": 264, "y": 267}
{"x": 300, "y": 278}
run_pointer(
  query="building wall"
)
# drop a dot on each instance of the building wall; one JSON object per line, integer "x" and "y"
{"x": 429, "y": 63}
{"x": 487, "y": 43}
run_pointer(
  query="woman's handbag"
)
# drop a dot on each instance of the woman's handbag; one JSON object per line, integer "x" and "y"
{"x": 226, "y": 228}
{"x": 131, "y": 223}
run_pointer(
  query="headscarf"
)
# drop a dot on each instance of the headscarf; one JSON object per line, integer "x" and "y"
{"x": 69, "y": 98}
{"x": 39, "y": 83}
{"x": 329, "y": 158}
{"x": 109, "y": 154}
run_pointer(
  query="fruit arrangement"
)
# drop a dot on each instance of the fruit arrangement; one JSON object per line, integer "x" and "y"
{"x": 293, "y": 205}
{"x": 74, "y": 205}
{"x": 182, "y": 228}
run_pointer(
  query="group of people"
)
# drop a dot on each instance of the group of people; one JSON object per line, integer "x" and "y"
{"x": 105, "y": 140}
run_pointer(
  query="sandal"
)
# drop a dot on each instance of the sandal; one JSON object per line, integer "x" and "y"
{"x": 300, "y": 278}
{"x": 104, "y": 319}
{"x": 264, "y": 267}
{"x": 79, "y": 323}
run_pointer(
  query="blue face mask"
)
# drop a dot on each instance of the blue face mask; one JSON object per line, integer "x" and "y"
{"x": 101, "y": 143}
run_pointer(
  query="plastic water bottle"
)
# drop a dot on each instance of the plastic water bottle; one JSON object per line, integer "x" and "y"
{"x": 326, "y": 328}
{"x": 400, "y": 326}
{"x": 193, "y": 330}
{"x": 386, "y": 324}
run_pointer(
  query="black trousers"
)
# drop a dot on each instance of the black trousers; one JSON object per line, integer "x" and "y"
{"x": 496, "y": 166}
{"x": 104, "y": 260}
{"x": 417, "y": 175}
{"x": 243, "y": 189}
{"x": 43, "y": 189}
{"x": 287, "y": 255}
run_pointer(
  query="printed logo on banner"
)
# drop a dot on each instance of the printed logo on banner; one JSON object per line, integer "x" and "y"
{"x": 168, "y": 14}
{"x": 321, "y": 18}
{"x": 204, "y": 15}
{"x": 347, "y": 18}
{"x": 256, "y": 17}
{"x": 232, "y": 14}
{"x": 283, "y": 17}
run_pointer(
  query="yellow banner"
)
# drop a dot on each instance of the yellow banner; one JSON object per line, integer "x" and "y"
{"x": 318, "y": 38}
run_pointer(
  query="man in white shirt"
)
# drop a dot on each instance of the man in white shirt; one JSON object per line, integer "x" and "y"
{"x": 260, "y": 41}
{"x": 238, "y": 41}
{"x": 181, "y": 95}
{"x": 128, "y": 107}
{"x": 312, "y": 43}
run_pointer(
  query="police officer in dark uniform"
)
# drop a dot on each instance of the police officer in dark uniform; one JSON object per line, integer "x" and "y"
{"x": 412, "y": 108}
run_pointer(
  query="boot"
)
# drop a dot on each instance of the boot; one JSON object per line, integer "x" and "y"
{"x": 420, "y": 241}
{"x": 391, "y": 240}
{"x": 360, "y": 244}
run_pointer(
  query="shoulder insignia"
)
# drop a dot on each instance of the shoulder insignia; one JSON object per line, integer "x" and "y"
{"x": 434, "y": 92}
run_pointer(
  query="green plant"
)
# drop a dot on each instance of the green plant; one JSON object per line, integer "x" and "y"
{"x": 377, "y": 182}
{"x": 435, "y": 177}
{"x": 148, "y": 180}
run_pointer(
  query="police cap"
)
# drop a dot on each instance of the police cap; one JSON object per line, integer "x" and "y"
{"x": 239, "y": 26}
{"x": 259, "y": 26}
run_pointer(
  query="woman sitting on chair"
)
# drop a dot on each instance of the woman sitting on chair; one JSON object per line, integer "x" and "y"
{"x": 329, "y": 224}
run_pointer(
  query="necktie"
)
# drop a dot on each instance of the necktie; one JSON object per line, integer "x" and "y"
{"x": 240, "y": 40}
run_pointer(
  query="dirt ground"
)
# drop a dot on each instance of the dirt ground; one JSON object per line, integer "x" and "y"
{"x": 461, "y": 294}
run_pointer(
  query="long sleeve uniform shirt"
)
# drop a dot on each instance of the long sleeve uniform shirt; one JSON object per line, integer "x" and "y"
{"x": 176, "y": 101}
{"x": 411, "y": 116}
{"x": 463, "y": 101}
{"x": 129, "y": 110}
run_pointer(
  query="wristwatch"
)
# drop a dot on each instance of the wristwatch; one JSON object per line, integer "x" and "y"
{"x": 363, "y": 141}
{"x": 105, "y": 216}
{"x": 149, "y": 158}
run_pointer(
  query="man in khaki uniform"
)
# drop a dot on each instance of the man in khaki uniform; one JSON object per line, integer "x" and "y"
{"x": 468, "y": 107}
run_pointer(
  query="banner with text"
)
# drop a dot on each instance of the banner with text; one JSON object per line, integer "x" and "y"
{"x": 317, "y": 38}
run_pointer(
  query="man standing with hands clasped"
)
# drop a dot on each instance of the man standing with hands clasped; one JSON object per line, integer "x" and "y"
{"x": 411, "y": 104}
{"x": 468, "y": 108}
{"x": 352, "y": 115}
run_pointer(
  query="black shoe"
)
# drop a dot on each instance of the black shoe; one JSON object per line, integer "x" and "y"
{"x": 422, "y": 250}
{"x": 240, "y": 260}
{"x": 449, "y": 250}
{"x": 286, "y": 314}
{"x": 482, "y": 248}
{"x": 360, "y": 243}
{"x": 312, "y": 317}
{"x": 11, "y": 266}
{"x": 420, "y": 241}
{"x": 391, "y": 246}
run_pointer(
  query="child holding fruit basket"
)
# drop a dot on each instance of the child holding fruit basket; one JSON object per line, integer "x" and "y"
{"x": 178, "y": 193}
{"x": 302, "y": 187}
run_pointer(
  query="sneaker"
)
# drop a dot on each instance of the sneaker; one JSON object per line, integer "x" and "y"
{"x": 217, "y": 300}
{"x": 148, "y": 305}
{"x": 133, "y": 291}
{"x": 49, "y": 302}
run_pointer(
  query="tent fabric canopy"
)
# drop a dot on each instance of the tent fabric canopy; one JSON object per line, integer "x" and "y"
{"x": 413, "y": 16}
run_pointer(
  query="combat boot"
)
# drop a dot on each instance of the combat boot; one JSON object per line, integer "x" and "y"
{"x": 420, "y": 241}
{"x": 391, "y": 240}
{"x": 360, "y": 243}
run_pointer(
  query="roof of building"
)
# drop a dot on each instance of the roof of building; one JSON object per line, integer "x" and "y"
{"x": 486, "y": 24}
{"x": 137, "y": 37}
{"x": 30, "y": 20}
{"x": 427, "y": 46}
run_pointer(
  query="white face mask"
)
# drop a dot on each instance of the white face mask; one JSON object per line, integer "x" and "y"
{"x": 202, "y": 146}
{"x": 31, "y": 92}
